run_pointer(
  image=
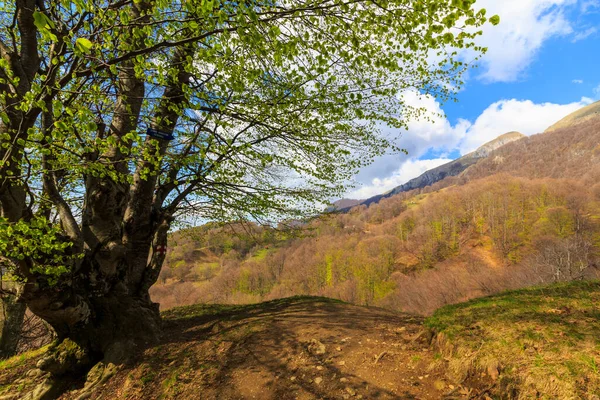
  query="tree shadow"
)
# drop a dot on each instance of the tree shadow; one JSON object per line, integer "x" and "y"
{"x": 259, "y": 346}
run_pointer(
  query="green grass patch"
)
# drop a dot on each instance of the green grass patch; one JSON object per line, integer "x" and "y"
{"x": 546, "y": 339}
{"x": 415, "y": 200}
{"x": 22, "y": 358}
{"x": 170, "y": 382}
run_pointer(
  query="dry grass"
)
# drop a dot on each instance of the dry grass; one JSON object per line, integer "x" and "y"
{"x": 544, "y": 341}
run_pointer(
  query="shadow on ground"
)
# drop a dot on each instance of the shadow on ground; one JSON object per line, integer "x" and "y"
{"x": 297, "y": 348}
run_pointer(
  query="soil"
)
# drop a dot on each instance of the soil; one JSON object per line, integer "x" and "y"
{"x": 299, "y": 348}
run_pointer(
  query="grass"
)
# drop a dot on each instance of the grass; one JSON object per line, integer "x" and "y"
{"x": 415, "y": 359}
{"x": 22, "y": 358}
{"x": 13, "y": 368}
{"x": 545, "y": 340}
{"x": 416, "y": 200}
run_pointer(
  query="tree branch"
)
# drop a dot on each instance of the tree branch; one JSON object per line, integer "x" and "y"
{"x": 67, "y": 219}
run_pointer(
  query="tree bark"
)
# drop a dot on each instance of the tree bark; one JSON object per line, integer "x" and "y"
{"x": 95, "y": 315}
{"x": 12, "y": 313}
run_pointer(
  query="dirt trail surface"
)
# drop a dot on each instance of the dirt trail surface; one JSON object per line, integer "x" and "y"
{"x": 298, "y": 348}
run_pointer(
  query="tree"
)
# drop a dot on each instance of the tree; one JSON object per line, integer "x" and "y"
{"x": 12, "y": 314}
{"x": 562, "y": 259}
{"x": 120, "y": 116}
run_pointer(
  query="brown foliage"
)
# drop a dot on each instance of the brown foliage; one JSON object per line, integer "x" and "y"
{"x": 527, "y": 214}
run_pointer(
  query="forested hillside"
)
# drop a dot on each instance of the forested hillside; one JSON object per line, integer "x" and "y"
{"x": 529, "y": 213}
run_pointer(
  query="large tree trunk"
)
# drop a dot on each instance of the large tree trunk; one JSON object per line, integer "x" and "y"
{"x": 12, "y": 313}
{"x": 105, "y": 323}
{"x": 102, "y": 313}
{"x": 96, "y": 332}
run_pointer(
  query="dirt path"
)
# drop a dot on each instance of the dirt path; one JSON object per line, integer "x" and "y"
{"x": 291, "y": 349}
{"x": 299, "y": 348}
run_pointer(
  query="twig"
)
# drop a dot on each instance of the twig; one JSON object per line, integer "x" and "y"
{"x": 380, "y": 356}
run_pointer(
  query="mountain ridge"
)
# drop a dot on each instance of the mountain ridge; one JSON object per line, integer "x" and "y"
{"x": 436, "y": 174}
{"x": 582, "y": 115}
{"x": 458, "y": 166}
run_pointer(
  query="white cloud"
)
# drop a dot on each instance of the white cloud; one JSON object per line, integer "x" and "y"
{"x": 512, "y": 46}
{"x": 589, "y": 5}
{"x": 584, "y": 34}
{"x": 500, "y": 117}
{"x": 596, "y": 91}
{"x": 524, "y": 26}
{"x": 577, "y": 81}
{"x": 421, "y": 135}
{"x": 524, "y": 116}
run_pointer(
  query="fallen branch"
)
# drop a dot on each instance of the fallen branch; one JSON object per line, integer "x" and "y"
{"x": 380, "y": 356}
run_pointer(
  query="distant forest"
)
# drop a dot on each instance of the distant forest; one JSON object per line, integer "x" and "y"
{"x": 527, "y": 214}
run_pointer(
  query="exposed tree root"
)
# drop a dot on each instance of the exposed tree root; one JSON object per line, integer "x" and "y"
{"x": 98, "y": 375}
{"x": 66, "y": 357}
{"x": 49, "y": 389}
{"x": 67, "y": 360}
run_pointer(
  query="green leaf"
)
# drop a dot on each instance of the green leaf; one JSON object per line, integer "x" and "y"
{"x": 44, "y": 25}
{"x": 41, "y": 21}
{"x": 61, "y": 125}
{"x": 84, "y": 45}
{"x": 495, "y": 20}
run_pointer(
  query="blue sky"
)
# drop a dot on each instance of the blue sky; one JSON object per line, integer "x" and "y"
{"x": 542, "y": 64}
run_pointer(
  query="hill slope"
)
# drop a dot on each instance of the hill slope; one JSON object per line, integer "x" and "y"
{"x": 532, "y": 343}
{"x": 570, "y": 152}
{"x": 580, "y": 116}
{"x": 540, "y": 342}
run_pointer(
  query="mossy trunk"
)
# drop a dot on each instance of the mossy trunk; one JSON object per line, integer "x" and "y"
{"x": 109, "y": 328}
{"x": 116, "y": 328}
{"x": 102, "y": 316}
